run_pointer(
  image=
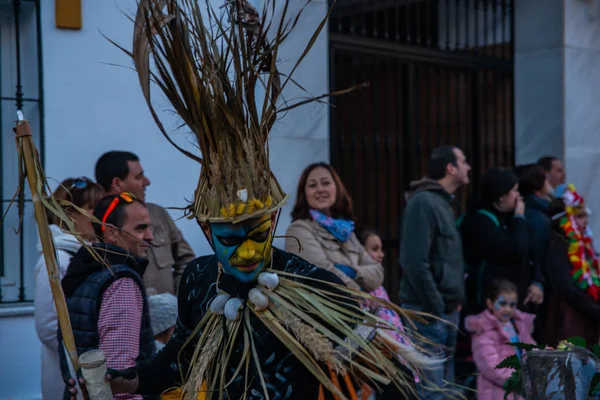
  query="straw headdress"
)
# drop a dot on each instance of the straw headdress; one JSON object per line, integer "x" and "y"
{"x": 212, "y": 66}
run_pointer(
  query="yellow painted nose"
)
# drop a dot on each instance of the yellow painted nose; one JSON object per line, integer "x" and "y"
{"x": 246, "y": 252}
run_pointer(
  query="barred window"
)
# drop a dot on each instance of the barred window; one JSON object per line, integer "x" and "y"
{"x": 20, "y": 89}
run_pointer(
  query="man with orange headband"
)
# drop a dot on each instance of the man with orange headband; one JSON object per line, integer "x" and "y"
{"x": 104, "y": 289}
{"x": 121, "y": 171}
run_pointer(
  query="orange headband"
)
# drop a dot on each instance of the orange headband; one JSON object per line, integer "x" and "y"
{"x": 125, "y": 196}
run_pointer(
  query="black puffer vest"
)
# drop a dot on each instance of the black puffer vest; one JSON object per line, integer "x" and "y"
{"x": 85, "y": 284}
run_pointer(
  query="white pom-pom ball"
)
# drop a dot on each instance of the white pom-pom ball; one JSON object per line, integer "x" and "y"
{"x": 269, "y": 280}
{"x": 232, "y": 309}
{"x": 217, "y": 306}
{"x": 242, "y": 195}
{"x": 260, "y": 301}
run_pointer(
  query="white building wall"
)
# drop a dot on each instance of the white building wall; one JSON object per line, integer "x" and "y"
{"x": 581, "y": 99}
{"x": 20, "y": 367}
{"x": 556, "y": 100}
{"x": 92, "y": 107}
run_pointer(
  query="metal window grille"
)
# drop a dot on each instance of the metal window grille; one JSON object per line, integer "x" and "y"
{"x": 20, "y": 89}
{"x": 440, "y": 72}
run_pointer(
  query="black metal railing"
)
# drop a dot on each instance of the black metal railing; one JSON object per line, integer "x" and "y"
{"x": 20, "y": 89}
{"x": 475, "y": 27}
{"x": 432, "y": 81}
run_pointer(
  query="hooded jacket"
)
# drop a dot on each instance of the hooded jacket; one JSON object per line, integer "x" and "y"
{"x": 489, "y": 343}
{"x": 46, "y": 320}
{"x": 431, "y": 250}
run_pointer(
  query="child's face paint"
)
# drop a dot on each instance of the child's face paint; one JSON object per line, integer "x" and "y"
{"x": 504, "y": 307}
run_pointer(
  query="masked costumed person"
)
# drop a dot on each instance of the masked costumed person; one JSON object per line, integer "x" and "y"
{"x": 573, "y": 305}
{"x": 254, "y": 321}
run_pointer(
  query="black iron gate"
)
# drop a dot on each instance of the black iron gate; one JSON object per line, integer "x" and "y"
{"x": 440, "y": 72}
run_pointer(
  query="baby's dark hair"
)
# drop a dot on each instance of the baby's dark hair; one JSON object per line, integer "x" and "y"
{"x": 364, "y": 234}
{"x": 499, "y": 286}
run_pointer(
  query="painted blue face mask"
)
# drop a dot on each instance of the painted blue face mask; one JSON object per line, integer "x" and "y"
{"x": 243, "y": 249}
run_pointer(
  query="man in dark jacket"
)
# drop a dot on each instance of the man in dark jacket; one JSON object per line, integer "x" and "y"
{"x": 104, "y": 290}
{"x": 431, "y": 256}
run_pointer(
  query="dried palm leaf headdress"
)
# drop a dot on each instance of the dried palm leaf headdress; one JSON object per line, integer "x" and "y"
{"x": 212, "y": 68}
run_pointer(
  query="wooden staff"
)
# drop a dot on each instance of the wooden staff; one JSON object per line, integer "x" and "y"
{"x": 35, "y": 177}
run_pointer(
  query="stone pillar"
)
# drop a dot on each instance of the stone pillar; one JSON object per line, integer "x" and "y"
{"x": 557, "y": 89}
{"x": 582, "y": 102}
{"x": 539, "y": 72}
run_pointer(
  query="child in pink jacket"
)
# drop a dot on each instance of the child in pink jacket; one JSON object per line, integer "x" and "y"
{"x": 491, "y": 330}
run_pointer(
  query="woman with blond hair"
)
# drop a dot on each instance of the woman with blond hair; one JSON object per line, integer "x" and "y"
{"x": 82, "y": 194}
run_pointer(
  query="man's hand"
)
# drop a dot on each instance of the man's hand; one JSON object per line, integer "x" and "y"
{"x": 123, "y": 381}
{"x": 535, "y": 294}
{"x": 72, "y": 387}
{"x": 520, "y": 207}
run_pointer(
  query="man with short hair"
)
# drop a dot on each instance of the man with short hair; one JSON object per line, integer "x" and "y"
{"x": 432, "y": 261}
{"x": 119, "y": 171}
{"x": 103, "y": 287}
{"x": 554, "y": 169}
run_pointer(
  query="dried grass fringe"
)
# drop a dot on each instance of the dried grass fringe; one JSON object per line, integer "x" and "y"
{"x": 193, "y": 385}
{"x": 316, "y": 343}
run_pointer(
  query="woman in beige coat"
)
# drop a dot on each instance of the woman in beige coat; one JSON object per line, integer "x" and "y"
{"x": 322, "y": 230}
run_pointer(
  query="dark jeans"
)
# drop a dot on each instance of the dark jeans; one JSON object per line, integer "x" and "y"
{"x": 443, "y": 337}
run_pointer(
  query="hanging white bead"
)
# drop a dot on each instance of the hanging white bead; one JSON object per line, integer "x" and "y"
{"x": 217, "y": 306}
{"x": 242, "y": 195}
{"x": 269, "y": 280}
{"x": 232, "y": 309}
{"x": 225, "y": 304}
{"x": 258, "y": 298}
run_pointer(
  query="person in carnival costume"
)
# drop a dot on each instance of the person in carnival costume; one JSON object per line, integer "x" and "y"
{"x": 581, "y": 252}
{"x": 254, "y": 322}
{"x": 573, "y": 306}
{"x": 558, "y": 192}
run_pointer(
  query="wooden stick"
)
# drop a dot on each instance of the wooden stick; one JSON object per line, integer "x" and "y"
{"x": 34, "y": 176}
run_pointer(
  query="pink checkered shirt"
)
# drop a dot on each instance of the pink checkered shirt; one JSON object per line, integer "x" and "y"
{"x": 119, "y": 326}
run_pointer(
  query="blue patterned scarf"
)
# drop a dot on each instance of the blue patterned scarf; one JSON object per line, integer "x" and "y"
{"x": 341, "y": 229}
